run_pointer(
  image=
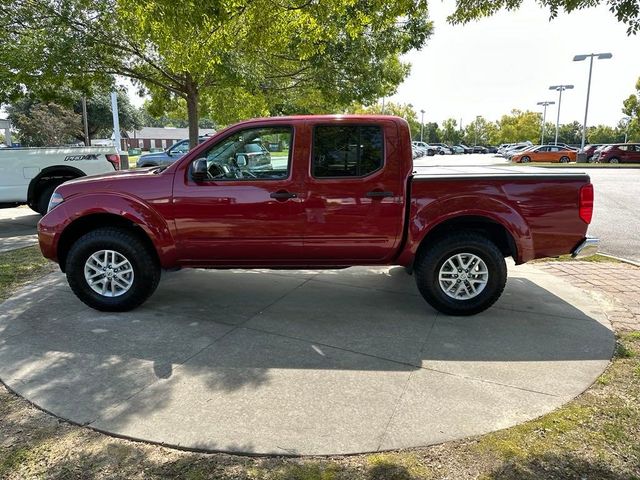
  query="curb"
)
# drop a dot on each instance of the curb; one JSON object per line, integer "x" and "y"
{"x": 620, "y": 259}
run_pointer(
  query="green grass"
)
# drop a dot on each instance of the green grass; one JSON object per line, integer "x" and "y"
{"x": 17, "y": 267}
{"x": 597, "y": 258}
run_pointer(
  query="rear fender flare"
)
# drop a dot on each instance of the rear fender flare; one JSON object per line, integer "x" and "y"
{"x": 430, "y": 216}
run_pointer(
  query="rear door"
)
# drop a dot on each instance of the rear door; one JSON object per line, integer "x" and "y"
{"x": 354, "y": 198}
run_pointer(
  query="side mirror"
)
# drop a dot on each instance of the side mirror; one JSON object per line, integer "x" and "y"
{"x": 199, "y": 170}
{"x": 241, "y": 160}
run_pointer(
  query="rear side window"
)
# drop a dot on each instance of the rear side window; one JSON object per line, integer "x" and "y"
{"x": 347, "y": 151}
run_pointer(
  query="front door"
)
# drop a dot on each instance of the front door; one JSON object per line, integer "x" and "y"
{"x": 247, "y": 210}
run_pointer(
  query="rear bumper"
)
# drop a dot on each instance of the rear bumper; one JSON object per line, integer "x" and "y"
{"x": 588, "y": 247}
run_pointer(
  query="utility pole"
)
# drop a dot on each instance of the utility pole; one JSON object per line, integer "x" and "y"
{"x": 421, "y": 125}
{"x": 544, "y": 118}
{"x": 85, "y": 121}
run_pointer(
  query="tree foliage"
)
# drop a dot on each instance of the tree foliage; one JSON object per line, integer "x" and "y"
{"x": 227, "y": 58}
{"x": 519, "y": 126}
{"x": 626, "y": 11}
{"x": 450, "y": 132}
{"x": 403, "y": 110}
{"x": 65, "y": 112}
{"x": 631, "y": 108}
{"x": 45, "y": 124}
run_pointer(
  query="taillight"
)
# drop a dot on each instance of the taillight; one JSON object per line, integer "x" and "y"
{"x": 114, "y": 159}
{"x": 586, "y": 203}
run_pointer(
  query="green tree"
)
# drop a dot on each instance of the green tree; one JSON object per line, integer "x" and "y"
{"x": 45, "y": 124}
{"x": 518, "y": 127}
{"x": 99, "y": 116}
{"x": 626, "y": 11}
{"x": 631, "y": 108}
{"x": 403, "y": 110}
{"x": 480, "y": 132}
{"x": 227, "y": 59}
{"x": 570, "y": 133}
{"x": 449, "y": 132}
{"x": 604, "y": 134}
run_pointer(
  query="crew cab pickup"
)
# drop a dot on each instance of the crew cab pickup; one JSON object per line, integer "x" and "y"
{"x": 30, "y": 175}
{"x": 337, "y": 191}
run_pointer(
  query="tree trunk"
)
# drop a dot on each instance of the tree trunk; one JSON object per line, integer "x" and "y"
{"x": 192, "y": 111}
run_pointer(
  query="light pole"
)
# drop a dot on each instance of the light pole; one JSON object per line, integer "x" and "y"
{"x": 625, "y": 121}
{"x": 559, "y": 88}
{"x": 475, "y": 143}
{"x": 421, "y": 124}
{"x": 579, "y": 58}
{"x": 545, "y": 104}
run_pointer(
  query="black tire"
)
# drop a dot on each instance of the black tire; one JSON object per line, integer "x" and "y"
{"x": 43, "y": 199}
{"x": 441, "y": 152}
{"x": 525, "y": 159}
{"x": 614, "y": 160}
{"x": 146, "y": 270}
{"x": 564, "y": 159}
{"x": 430, "y": 261}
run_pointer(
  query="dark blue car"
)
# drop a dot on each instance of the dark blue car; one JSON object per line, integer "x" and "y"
{"x": 170, "y": 155}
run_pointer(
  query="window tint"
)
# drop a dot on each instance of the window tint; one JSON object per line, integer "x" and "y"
{"x": 255, "y": 154}
{"x": 347, "y": 151}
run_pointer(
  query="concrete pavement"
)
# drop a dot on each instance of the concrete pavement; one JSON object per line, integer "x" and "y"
{"x": 17, "y": 228}
{"x": 291, "y": 362}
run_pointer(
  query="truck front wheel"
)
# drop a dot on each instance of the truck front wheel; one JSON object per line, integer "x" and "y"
{"x": 112, "y": 270}
{"x": 461, "y": 274}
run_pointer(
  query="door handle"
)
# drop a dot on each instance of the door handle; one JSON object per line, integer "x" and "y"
{"x": 282, "y": 195}
{"x": 379, "y": 194}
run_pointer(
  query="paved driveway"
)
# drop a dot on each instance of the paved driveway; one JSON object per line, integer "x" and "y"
{"x": 328, "y": 362}
{"x": 17, "y": 228}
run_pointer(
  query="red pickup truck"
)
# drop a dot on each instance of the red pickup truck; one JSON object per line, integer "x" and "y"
{"x": 322, "y": 192}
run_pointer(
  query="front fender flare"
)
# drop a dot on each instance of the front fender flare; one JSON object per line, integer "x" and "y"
{"x": 124, "y": 206}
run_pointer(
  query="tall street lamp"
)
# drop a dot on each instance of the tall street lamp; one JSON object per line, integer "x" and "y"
{"x": 559, "y": 88}
{"x": 421, "y": 124}
{"x": 545, "y": 104}
{"x": 579, "y": 58}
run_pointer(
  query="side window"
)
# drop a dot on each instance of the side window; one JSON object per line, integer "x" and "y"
{"x": 180, "y": 147}
{"x": 347, "y": 151}
{"x": 624, "y": 148}
{"x": 258, "y": 153}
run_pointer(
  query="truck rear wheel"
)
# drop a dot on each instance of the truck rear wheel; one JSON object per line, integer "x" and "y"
{"x": 461, "y": 274}
{"x": 112, "y": 270}
{"x": 43, "y": 200}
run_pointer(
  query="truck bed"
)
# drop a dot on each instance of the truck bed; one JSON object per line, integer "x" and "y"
{"x": 497, "y": 171}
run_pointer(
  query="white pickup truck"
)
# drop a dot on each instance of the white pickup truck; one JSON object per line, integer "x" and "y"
{"x": 30, "y": 175}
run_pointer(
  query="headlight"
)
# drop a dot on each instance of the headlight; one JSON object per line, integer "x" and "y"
{"x": 55, "y": 200}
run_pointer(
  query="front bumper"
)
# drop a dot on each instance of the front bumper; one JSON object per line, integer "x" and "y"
{"x": 588, "y": 247}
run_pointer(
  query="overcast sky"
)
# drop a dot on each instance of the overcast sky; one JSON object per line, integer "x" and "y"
{"x": 491, "y": 66}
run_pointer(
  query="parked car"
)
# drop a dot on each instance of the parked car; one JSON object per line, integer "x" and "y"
{"x": 491, "y": 149}
{"x": 514, "y": 150}
{"x": 505, "y": 149}
{"x": 457, "y": 149}
{"x": 424, "y": 147}
{"x": 168, "y": 156}
{"x": 30, "y": 175}
{"x": 545, "y": 153}
{"x": 442, "y": 148}
{"x": 465, "y": 148}
{"x": 112, "y": 234}
{"x": 619, "y": 153}
{"x": 479, "y": 149}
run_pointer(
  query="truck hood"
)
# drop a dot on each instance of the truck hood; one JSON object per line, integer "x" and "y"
{"x": 125, "y": 181}
{"x": 150, "y": 156}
